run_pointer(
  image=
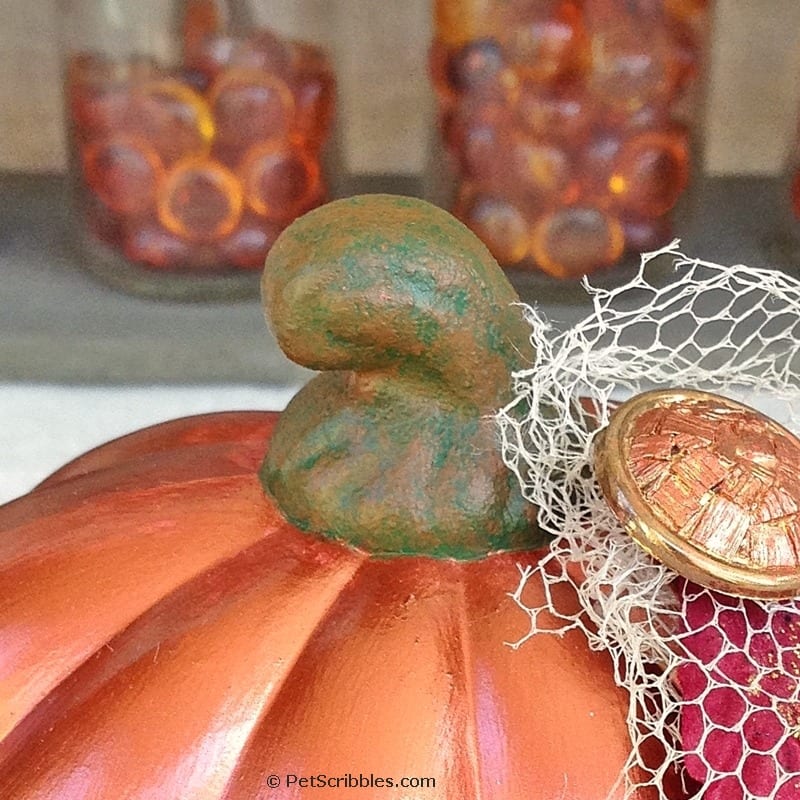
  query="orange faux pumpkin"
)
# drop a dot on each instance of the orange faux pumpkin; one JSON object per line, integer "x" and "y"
{"x": 166, "y": 633}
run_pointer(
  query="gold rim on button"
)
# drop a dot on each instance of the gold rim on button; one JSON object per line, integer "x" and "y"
{"x": 709, "y": 487}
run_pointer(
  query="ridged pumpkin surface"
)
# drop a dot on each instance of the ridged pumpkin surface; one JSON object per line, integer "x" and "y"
{"x": 166, "y": 634}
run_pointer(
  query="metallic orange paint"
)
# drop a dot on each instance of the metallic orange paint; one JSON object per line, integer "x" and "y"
{"x": 166, "y": 635}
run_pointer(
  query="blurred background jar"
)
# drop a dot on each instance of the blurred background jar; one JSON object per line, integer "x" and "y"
{"x": 568, "y": 129}
{"x": 783, "y": 240}
{"x": 197, "y": 131}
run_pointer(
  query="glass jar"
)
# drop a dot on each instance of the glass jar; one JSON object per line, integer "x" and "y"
{"x": 196, "y": 135}
{"x": 566, "y": 127}
{"x": 782, "y": 241}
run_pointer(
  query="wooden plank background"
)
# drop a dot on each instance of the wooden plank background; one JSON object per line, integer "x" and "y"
{"x": 385, "y": 101}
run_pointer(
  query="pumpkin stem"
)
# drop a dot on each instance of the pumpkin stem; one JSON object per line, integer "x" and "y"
{"x": 393, "y": 447}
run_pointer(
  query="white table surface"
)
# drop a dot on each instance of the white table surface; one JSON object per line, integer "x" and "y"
{"x": 42, "y": 426}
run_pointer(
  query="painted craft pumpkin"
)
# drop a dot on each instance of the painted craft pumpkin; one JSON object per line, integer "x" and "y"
{"x": 180, "y": 621}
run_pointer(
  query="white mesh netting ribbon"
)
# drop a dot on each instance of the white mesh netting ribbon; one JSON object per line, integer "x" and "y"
{"x": 714, "y": 681}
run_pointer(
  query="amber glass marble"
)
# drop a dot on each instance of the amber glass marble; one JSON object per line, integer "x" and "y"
{"x": 566, "y": 126}
{"x": 189, "y": 158}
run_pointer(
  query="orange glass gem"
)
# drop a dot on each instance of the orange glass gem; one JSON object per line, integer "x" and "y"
{"x": 691, "y": 11}
{"x": 630, "y": 67}
{"x": 280, "y": 182}
{"x": 153, "y": 246}
{"x": 643, "y": 234}
{"x": 562, "y": 114}
{"x": 250, "y": 106}
{"x": 124, "y": 172}
{"x": 709, "y": 487}
{"x": 200, "y": 200}
{"x": 174, "y": 119}
{"x": 201, "y": 21}
{"x": 263, "y": 50}
{"x": 98, "y": 111}
{"x": 248, "y": 245}
{"x": 313, "y": 85}
{"x": 478, "y": 69}
{"x": 457, "y": 23}
{"x": 655, "y": 116}
{"x": 499, "y": 224}
{"x": 539, "y": 170}
{"x": 211, "y": 55}
{"x": 476, "y": 134}
{"x": 651, "y": 172}
{"x": 544, "y": 42}
{"x": 98, "y": 101}
{"x": 596, "y": 163}
{"x": 574, "y": 241}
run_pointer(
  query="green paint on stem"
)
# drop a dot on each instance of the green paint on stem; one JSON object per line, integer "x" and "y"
{"x": 392, "y": 448}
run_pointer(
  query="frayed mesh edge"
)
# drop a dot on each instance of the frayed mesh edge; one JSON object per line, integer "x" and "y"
{"x": 732, "y": 330}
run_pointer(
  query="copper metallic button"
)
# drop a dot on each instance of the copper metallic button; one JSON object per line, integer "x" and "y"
{"x": 707, "y": 486}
